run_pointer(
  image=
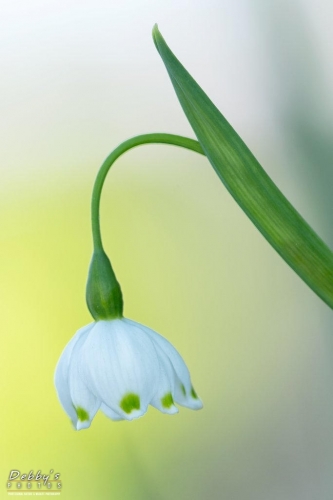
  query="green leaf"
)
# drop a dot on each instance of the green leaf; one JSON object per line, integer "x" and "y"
{"x": 248, "y": 183}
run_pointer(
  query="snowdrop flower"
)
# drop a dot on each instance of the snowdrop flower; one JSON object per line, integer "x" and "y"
{"x": 120, "y": 367}
{"x": 114, "y": 364}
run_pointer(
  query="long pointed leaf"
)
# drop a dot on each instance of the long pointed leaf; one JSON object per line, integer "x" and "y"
{"x": 248, "y": 183}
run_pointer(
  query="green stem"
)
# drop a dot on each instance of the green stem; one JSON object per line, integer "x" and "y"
{"x": 174, "y": 140}
{"x": 103, "y": 293}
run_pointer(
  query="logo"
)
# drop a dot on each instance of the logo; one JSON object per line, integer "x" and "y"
{"x": 33, "y": 484}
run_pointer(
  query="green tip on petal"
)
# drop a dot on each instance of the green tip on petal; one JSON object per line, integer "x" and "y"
{"x": 183, "y": 389}
{"x": 82, "y": 414}
{"x": 167, "y": 400}
{"x": 194, "y": 394}
{"x": 130, "y": 402}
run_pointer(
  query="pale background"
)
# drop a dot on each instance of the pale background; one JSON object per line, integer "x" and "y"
{"x": 78, "y": 78}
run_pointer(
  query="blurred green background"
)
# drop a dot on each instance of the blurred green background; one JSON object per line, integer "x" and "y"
{"x": 78, "y": 79}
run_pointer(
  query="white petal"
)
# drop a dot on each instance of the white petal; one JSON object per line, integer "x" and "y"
{"x": 85, "y": 402}
{"x": 164, "y": 397}
{"x": 121, "y": 367}
{"x": 188, "y": 399}
{"x": 110, "y": 413}
{"x": 184, "y": 393}
{"x": 61, "y": 373}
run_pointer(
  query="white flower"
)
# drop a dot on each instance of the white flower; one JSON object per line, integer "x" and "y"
{"x": 120, "y": 366}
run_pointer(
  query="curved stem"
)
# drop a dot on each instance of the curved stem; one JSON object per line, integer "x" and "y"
{"x": 174, "y": 140}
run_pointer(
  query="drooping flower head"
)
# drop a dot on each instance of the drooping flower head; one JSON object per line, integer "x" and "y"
{"x": 120, "y": 367}
{"x": 114, "y": 364}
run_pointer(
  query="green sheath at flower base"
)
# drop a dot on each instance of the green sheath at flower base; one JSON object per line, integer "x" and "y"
{"x": 103, "y": 293}
{"x": 249, "y": 184}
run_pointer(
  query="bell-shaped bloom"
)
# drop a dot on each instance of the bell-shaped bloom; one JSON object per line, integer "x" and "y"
{"x": 120, "y": 367}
